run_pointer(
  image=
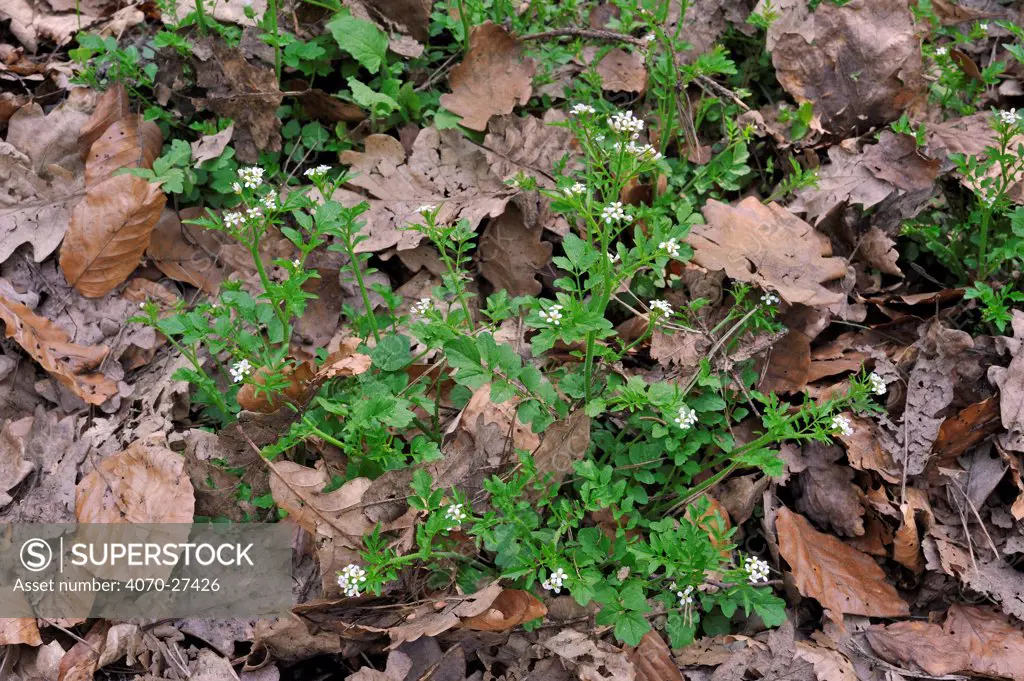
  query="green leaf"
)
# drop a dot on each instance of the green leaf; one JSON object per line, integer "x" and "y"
{"x": 680, "y": 631}
{"x": 392, "y": 353}
{"x": 368, "y": 99}
{"x": 367, "y": 44}
{"x": 630, "y": 627}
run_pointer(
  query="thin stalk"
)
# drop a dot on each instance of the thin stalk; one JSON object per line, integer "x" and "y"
{"x": 272, "y": 12}
{"x": 465, "y": 26}
{"x": 265, "y": 281}
{"x": 357, "y": 272}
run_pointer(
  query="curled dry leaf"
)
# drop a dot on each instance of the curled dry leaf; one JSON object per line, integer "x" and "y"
{"x": 842, "y": 579}
{"x": 494, "y": 77}
{"x": 1011, "y": 386}
{"x": 906, "y": 548}
{"x": 187, "y": 253}
{"x": 770, "y": 247}
{"x": 431, "y": 621}
{"x": 527, "y": 144}
{"x": 145, "y": 483}
{"x": 511, "y": 608}
{"x": 13, "y": 465}
{"x": 511, "y": 254}
{"x": 860, "y": 64}
{"x": 653, "y": 660}
{"x": 972, "y": 640}
{"x": 622, "y": 71}
{"x": 17, "y": 630}
{"x": 73, "y": 365}
{"x": 592, "y": 660}
{"x": 445, "y": 169}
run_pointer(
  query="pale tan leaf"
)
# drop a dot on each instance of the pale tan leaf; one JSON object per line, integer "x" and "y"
{"x": 13, "y": 466}
{"x": 511, "y": 608}
{"x": 210, "y": 147}
{"x": 845, "y": 180}
{"x": 52, "y": 139}
{"x": 829, "y": 665}
{"x": 299, "y": 491}
{"x": 494, "y": 77}
{"x": 622, "y": 71}
{"x": 17, "y": 630}
{"x": 592, "y": 660}
{"x": 842, "y": 579}
{"x": 653, "y": 660}
{"x": 73, "y": 365}
{"x": 145, "y": 483}
{"x": 430, "y": 621}
{"x": 770, "y": 247}
{"x": 187, "y": 253}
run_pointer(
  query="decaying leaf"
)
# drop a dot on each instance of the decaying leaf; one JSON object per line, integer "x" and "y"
{"x": 430, "y": 621}
{"x": 1011, "y": 385}
{"x": 75, "y": 366}
{"x": 511, "y": 254}
{"x": 145, "y": 483}
{"x": 13, "y": 465}
{"x": 187, "y": 253}
{"x": 653, "y": 660}
{"x": 1000, "y": 581}
{"x": 622, "y": 71}
{"x": 972, "y": 640}
{"x": 825, "y": 491}
{"x": 17, "y": 630}
{"x": 859, "y": 63}
{"x": 842, "y": 579}
{"x": 564, "y": 443}
{"x": 770, "y": 247}
{"x": 527, "y": 144}
{"x": 906, "y": 548}
{"x": 494, "y": 77}
{"x": 511, "y": 608}
{"x": 445, "y": 169}
{"x": 847, "y": 179}
{"x": 592, "y": 660}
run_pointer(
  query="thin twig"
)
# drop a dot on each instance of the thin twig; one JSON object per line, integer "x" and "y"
{"x": 593, "y": 34}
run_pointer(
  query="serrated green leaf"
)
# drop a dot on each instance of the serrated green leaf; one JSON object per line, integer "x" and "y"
{"x": 367, "y": 44}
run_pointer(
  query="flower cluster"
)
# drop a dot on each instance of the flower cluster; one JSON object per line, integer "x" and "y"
{"x": 579, "y": 109}
{"x": 877, "y": 383}
{"x": 643, "y": 152}
{"x": 270, "y": 200}
{"x": 1009, "y": 117}
{"x": 575, "y": 189}
{"x": 626, "y": 122}
{"x": 251, "y": 177}
{"x": 239, "y": 370}
{"x": 421, "y": 308}
{"x": 351, "y": 579}
{"x": 662, "y": 307}
{"x": 555, "y": 581}
{"x": 614, "y": 212}
{"x": 552, "y": 315}
{"x": 685, "y": 596}
{"x": 756, "y": 569}
{"x": 671, "y": 247}
{"x": 841, "y": 425}
{"x": 613, "y": 257}
{"x": 317, "y": 172}
{"x": 455, "y": 515}
{"x": 686, "y": 417}
{"x": 770, "y": 298}
{"x": 426, "y": 209}
{"x": 941, "y": 51}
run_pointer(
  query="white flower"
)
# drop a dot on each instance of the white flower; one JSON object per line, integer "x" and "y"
{"x": 251, "y": 177}
{"x": 236, "y": 187}
{"x": 941, "y": 51}
{"x": 663, "y": 307}
{"x": 455, "y": 515}
{"x": 318, "y": 172}
{"x": 649, "y": 38}
{"x": 671, "y": 247}
{"x": 555, "y": 581}
{"x": 552, "y": 315}
{"x": 253, "y": 213}
{"x": 270, "y": 199}
{"x": 841, "y": 424}
{"x": 426, "y": 209}
{"x": 233, "y": 219}
{"x": 612, "y": 258}
{"x": 239, "y": 370}
{"x": 599, "y": 138}
{"x": 351, "y": 579}
{"x": 142, "y": 305}
{"x": 626, "y": 123}
{"x": 685, "y": 596}
{"x": 424, "y": 306}
{"x": 578, "y": 188}
{"x": 644, "y": 153}
{"x": 877, "y": 383}
{"x": 1009, "y": 117}
{"x": 579, "y": 109}
{"x": 296, "y": 263}
{"x": 757, "y": 569}
{"x": 614, "y": 211}
{"x": 686, "y": 417}
{"x": 983, "y": 26}
{"x": 770, "y": 298}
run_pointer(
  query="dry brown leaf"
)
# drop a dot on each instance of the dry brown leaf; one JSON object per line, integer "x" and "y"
{"x": 591, "y": 660}
{"x": 860, "y": 64}
{"x": 906, "y": 547}
{"x": 209, "y": 147}
{"x": 1011, "y": 386}
{"x": 964, "y": 430}
{"x": 680, "y": 348}
{"x": 829, "y": 665}
{"x": 13, "y": 465}
{"x": 109, "y": 231}
{"x": 445, "y": 169}
{"x": 82, "y": 660}
{"x": 492, "y": 79}
{"x": 878, "y": 250}
{"x": 770, "y": 247}
{"x": 52, "y": 139}
{"x": 511, "y": 254}
{"x": 1000, "y": 581}
{"x": 73, "y": 365}
{"x": 127, "y": 143}
{"x": 653, "y": 660}
{"x": 187, "y": 253}
{"x": 564, "y": 443}
{"x": 250, "y": 399}
{"x": 972, "y": 640}
{"x": 145, "y": 483}
{"x": 896, "y": 160}
{"x": 842, "y": 579}
{"x": 864, "y": 450}
{"x": 788, "y": 364}
{"x": 622, "y": 71}
{"x": 17, "y": 630}
{"x": 968, "y": 135}
{"x": 845, "y": 180}
{"x": 511, "y": 608}
{"x": 429, "y": 621}
{"x": 825, "y": 491}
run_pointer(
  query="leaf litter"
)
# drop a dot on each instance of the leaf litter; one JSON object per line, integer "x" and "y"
{"x": 894, "y": 532}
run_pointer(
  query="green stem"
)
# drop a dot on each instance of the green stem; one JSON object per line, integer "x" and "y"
{"x": 465, "y": 26}
{"x": 357, "y": 272}
{"x": 276, "y": 304}
{"x": 272, "y": 12}
{"x": 200, "y": 16}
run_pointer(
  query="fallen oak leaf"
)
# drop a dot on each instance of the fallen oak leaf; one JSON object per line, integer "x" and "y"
{"x": 841, "y": 578}
{"x": 768, "y": 246}
{"x": 429, "y": 621}
{"x": 511, "y": 608}
{"x": 493, "y": 78}
{"x": 653, "y": 660}
{"x": 73, "y": 365}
